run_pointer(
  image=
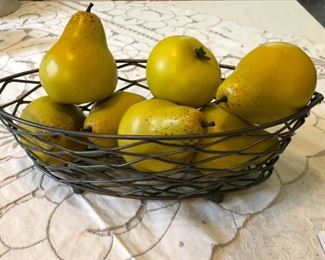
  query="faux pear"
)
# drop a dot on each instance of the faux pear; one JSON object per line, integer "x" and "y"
{"x": 272, "y": 81}
{"x": 47, "y": 112}
{"x": 79, "y": 67}
{"x": 233, "y": 153}
{"x": 157, "y": 117}
{"x": 105, "y": 116}
{"x": 182, "y": 70}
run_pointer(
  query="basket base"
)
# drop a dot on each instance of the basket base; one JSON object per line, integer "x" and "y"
{"x": 216, "y": 197}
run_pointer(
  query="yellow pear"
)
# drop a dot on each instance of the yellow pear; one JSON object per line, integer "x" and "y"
{"x": 157, "y": 117}
{"x": 234, "y": 152}
{"x": 272, "y": 81}
{"x": 105, "y": 116}
{"x": 79, "y": 67}
{"x": 47, "y": 112}
{"x": 182, "y": 70}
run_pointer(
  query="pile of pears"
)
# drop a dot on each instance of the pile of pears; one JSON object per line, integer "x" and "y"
{"x": 272, "y": 81}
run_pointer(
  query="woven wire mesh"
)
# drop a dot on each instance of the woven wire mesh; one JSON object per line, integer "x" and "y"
{"x": 104, "y": 170}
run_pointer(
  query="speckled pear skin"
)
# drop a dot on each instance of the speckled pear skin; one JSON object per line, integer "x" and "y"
{"x": 249, "y": 147}
{"x": 47, "y": 112}
{"x": 272, "y": 81}
{"x": 160, "y": 117}
{"x": 79, "y": 67}
{"x": 105, "y": 116}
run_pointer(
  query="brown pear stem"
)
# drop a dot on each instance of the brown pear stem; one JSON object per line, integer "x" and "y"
{"x": 208, "y": 124}
{"x": 223, "y": 99}
{"x": 89, "y": 129}
{"x": 89, "y": 7}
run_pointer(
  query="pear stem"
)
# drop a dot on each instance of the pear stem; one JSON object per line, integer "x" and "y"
{"x": 223, "y": 99}
{"x": 89, "y": 7}
{"x": 201, "y": 54}
{"x": 208, "y": 124}
{"x": 89, "y": 129}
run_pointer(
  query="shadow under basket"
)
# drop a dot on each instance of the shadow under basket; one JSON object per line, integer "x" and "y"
{"x": 104, "y": 170}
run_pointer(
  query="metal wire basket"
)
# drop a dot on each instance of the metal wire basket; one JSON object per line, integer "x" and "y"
{"x": 103, "y": 170}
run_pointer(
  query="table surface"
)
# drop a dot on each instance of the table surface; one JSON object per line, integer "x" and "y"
{"x": 285, "y": 17}
{"x": 279, "y": 219}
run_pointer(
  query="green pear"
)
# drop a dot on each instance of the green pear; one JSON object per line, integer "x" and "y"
{"x": 182, "y": 70}
{"x": 47, "y": 112}
{"x": 157, "y": 117}
{"x": 272, "y": 81}
{"x": 79, "y": 67}
{"x": 235, "y": 152}
{"x": 105, "y": 116}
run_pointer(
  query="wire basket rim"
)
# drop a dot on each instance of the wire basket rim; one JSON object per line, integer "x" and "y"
{"x": 315, "y": 99}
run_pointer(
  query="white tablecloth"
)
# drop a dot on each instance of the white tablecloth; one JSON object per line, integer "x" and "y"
{"x": 42, "y": 219}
